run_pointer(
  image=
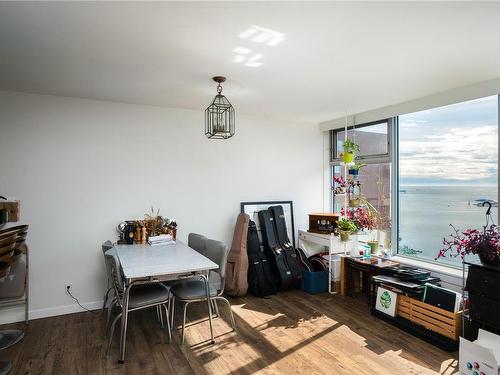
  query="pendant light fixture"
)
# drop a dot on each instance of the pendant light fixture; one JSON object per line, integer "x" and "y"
{"x": 219, "y": 115}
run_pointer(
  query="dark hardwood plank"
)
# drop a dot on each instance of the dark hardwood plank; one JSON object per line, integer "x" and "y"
{"x": 289, "y": 333}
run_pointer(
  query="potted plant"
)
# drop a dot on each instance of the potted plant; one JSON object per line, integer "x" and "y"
{"x": 373, "y": 246}
{"x": 485, "y": 243}
{"x": 354, "y": 170}
{"x": 365, "y": 217}
{"x": 345, "y": 228}
{"x": 350, "y": 149}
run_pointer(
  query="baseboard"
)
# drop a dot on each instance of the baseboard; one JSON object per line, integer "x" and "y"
{"x": 16, "y": 314}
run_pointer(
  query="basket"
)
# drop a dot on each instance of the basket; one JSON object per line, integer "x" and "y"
{"x": 446, "y": 323}
{"x": 314, "y": 282}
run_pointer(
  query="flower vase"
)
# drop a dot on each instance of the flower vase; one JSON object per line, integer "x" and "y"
{"x": 489, "y": 259}
{"x": 373, "y": 246}
{"x": 344, "y": 235}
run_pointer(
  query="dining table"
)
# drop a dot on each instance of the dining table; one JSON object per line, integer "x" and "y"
{"x": 143, "y": 263}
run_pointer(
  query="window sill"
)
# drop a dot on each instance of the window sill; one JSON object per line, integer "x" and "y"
{"x": 438, "y": 268}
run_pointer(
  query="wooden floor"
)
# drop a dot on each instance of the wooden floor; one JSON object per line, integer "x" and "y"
{"x": 290, "y": 333}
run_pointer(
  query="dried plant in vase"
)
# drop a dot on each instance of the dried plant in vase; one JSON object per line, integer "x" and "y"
{"x": 153, "y": 222}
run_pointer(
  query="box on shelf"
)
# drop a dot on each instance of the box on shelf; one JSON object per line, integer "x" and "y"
{"x": 9, "y": 211}
{"x": 323, "y": 223}
{"x": 481, "y": 356}
{"x": 314, "y": 282}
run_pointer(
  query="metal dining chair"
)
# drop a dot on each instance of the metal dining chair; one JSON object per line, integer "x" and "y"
{"x": 194, "y": 290}
{"x": 141, "y": 296}
{"x": 197, "y": 242}
{"x": 10, "y": 241}
{"x": 106, "y": 246}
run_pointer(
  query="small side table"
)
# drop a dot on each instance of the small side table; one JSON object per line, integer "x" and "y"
{"x": 369, "y": 268}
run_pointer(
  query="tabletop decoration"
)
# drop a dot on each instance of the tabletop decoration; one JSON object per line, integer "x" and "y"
{"x": 155, "y": 224}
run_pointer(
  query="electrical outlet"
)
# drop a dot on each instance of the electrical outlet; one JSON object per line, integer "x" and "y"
{"x": 68, "y": 287}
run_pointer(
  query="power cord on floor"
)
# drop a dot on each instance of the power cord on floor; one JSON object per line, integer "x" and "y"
{"x": 78, "y": 302}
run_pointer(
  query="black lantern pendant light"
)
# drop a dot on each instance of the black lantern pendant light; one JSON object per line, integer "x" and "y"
{"x": 219, "y": 115}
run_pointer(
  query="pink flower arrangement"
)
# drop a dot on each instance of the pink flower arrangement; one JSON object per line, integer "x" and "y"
{"x": 362, "y": 217}
{"x": 485, "y": 243}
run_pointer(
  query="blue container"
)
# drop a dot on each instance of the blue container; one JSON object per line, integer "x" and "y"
{"x": 314, "y": 282}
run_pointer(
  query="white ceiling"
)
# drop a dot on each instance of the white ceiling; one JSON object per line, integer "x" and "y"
{"x": 334, "y": 56}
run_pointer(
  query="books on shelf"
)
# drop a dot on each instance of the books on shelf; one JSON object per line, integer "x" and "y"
{"x": 162, "y": 239}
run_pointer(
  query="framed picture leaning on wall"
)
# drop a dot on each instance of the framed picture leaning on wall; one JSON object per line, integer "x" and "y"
{"x": 253, "y": 208}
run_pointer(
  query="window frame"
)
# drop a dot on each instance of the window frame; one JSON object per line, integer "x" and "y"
{"x": 367, "y": 159}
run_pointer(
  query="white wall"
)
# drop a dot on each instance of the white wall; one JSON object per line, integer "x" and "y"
{"x": 81, "y": 166}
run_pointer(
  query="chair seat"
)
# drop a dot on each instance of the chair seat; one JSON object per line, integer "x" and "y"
{"x": 143, "y": 295}
{"x": 192, "y": 289}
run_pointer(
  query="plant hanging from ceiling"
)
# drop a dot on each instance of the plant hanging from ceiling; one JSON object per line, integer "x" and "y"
{"x": 350, "y": 149}
{"x": 354, "y": 169}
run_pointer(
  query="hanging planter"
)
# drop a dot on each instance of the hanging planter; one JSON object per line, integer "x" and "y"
{"x": 348, "y": 157}
{"x": 354, "y": 170}
{"x": 355, "y": 202}
{"x": 350, "y": 148}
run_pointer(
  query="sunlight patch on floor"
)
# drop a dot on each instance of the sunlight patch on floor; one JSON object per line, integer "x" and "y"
{"x": 449, "y": 367}
{"x": 229, "y": 352}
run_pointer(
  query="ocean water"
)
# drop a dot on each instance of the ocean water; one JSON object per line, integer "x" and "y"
{"x": 427, "y": 211}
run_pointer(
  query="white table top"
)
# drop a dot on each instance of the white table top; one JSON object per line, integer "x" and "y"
{"x": 143, "y": 260}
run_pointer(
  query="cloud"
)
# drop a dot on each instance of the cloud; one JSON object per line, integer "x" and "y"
{"x": 459, "y": 154}
{"x": 409, "y": 125}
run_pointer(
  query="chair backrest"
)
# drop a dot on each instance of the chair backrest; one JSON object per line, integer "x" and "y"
{"x": 197, "y": 242}
{"x": 217, "y": 252}
{"x": 116, "y": 274}
{"x": 107, "y": 246}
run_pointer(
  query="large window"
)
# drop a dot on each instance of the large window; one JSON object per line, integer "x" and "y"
{"x": 448, "y": 165}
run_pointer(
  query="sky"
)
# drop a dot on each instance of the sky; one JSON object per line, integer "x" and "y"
{"x": 451, "y": 145}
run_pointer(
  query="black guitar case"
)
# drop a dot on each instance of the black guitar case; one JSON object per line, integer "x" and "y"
{"x": 261, "y": 280}
{"x": 275, "y": 254}
{"x": 285, "y": 243}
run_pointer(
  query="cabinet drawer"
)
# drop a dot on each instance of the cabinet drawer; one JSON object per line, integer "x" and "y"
{"x": 484, "y": 310}
{"x": 483, "y": 281}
